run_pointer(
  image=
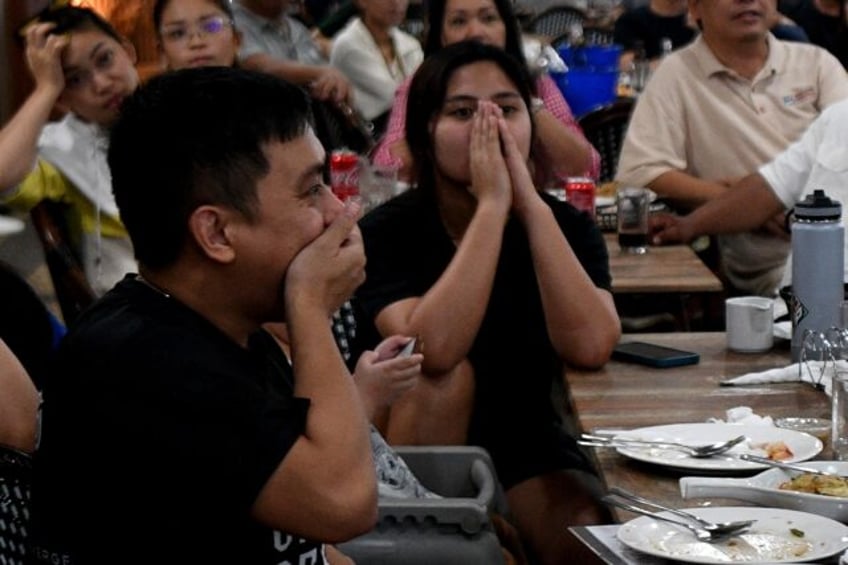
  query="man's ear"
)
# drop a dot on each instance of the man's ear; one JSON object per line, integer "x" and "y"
{"x": 210, "y": 227}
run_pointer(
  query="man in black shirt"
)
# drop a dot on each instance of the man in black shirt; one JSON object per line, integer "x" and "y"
{"x": 175, "y": 430}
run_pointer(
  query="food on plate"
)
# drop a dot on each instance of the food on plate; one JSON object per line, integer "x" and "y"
{"x": 818, "y": 484}
{"x": 607, "y": 189}
{"x": 775, "y": 450}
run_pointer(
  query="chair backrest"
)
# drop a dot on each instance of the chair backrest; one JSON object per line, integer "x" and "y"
{"x": 605, "y": 129}
{"x": 413, "y": 23}
{"x": 556, "y": 21}
{"x": 15, "y": 479}
{"x": 339, "y": 125}
{"x": 72, "y": 288}
{"x": 597, "y": 36}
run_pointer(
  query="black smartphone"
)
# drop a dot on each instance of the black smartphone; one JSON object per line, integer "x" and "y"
{"x": 653, "y": 355}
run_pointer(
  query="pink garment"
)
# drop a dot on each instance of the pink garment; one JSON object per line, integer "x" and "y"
{"x": 546, "y": 89}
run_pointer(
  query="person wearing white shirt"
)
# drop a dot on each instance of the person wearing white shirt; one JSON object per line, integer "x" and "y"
{"x": 819, "y": 160}
{"x": 375, "y": 55}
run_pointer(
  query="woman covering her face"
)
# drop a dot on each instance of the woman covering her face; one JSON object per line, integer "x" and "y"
{"x": 562, "y": 148}
{"x": 503, "y": 285}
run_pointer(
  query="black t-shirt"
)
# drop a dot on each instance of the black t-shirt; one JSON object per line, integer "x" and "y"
{"x": 825, "y": 31}
{"x": 514, "y": 363}
{"x": 158, "y": 433}
{"x": 641, "y": 24}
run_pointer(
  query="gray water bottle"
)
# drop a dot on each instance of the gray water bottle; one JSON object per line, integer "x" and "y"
{"x": 817, "y": 267}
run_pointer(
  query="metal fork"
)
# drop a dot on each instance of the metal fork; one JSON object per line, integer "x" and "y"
{"x": 696, "y": 451}
{"x": 721, "y": 528}
{"x": 781, "y": 465}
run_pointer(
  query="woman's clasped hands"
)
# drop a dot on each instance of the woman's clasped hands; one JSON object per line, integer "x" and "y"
{"x": 498, "y": 165}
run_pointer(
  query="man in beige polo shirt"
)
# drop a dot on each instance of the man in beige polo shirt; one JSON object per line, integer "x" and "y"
{"x": 720, "y": 108}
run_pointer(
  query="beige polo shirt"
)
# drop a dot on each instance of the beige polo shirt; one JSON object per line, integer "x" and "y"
{"x": 700, "y": 117}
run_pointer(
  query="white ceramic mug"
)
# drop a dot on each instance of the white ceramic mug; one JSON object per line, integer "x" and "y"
{"x": 750, "y": 323}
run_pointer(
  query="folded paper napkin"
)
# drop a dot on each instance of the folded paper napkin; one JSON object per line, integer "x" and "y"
{"x": 813, "y": 372}
{"x": 743, "y": 415}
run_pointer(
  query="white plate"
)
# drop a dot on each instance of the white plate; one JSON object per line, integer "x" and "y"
{"x": 803, "y": 446}
{"x": 770, "y": 539}
{"x": 764, "y": 489}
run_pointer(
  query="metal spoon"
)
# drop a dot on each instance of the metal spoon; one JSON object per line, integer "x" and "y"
{"x": 721, "y": 528}
{"x": 700, "y": 533}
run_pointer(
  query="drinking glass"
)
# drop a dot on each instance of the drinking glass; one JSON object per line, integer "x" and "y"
{"x": 633, "y": 208}
{"x": 838, "y": 340}
{"x": 377, "y": 184}
{"x": 839, "y": 414}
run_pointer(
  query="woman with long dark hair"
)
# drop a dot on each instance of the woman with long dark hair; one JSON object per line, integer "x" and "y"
{"x": 502, "y": 283}
{"x": 562, "y": 150}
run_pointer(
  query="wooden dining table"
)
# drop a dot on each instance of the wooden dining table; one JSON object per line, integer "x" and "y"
{"x": 625, "y": 395}
{"x": 672, "y": 279}
{"x": 662, "y": 269}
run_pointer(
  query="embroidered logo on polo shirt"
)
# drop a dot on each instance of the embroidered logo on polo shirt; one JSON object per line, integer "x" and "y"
{"x": 799, "y": 96}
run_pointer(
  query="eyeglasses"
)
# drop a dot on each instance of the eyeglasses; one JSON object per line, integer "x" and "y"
{"x": 180, "y": 33}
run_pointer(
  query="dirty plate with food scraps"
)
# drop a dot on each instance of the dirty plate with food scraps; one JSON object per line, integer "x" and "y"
{"x": 777, "y": 536}
{"x": 761, "y": 439}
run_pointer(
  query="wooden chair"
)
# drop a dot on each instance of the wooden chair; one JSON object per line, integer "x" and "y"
{"x": 70, "y": 283}
{"x": 556, "y": 21}
{"x": 605, "y": 129}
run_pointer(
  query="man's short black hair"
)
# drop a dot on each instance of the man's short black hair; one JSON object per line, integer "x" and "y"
{"x": 194, "y": 137}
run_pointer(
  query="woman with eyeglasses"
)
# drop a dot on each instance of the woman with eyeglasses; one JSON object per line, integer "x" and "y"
{"x": 83, "y": 67}
{"x": 196, "y": 33}
{"x": 562, "y": 150}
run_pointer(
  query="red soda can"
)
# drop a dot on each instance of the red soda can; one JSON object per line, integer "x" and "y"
{"x": 580, "y": 193}
{"x": 344, "y": 173}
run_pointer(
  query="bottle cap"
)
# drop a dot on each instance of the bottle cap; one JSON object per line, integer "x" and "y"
{"x": 818, "y": 207}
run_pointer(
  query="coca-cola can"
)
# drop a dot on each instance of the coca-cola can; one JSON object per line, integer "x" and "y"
{"x": 580, "y": 193}
{"x": 344, "y": 173}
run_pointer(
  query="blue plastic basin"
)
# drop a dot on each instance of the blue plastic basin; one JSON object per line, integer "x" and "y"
{"x": 587, "y": 88}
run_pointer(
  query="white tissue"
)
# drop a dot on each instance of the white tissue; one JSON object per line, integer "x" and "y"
{"x": 744, "y": 415}
{"x": 812, "y": 373}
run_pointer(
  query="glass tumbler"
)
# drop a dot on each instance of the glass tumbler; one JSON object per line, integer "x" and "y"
{"x": 633, "y": 207}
